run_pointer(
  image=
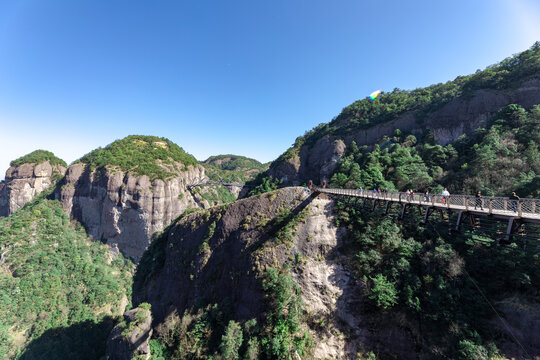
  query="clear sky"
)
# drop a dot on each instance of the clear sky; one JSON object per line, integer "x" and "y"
{"x": 237, "y": 76}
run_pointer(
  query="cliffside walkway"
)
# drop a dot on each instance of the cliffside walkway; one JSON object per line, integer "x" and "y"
{"x": 516, "y": 213}
{"x": 207, "y": 182}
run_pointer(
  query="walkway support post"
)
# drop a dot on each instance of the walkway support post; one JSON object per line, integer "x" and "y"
{"x": 458, "y": 222}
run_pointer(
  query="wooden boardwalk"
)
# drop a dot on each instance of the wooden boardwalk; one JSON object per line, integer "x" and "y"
{"x": 526, "y": 209}
{"x": 516, "y": 213}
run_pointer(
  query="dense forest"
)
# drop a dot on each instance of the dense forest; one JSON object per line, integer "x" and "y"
{"x": 59, "y": 290}
{"x": 38, "y": 157}
{"x": 496, "y": 160}
{"x": 448, "y": 290}
{"x": 142, "y": 155}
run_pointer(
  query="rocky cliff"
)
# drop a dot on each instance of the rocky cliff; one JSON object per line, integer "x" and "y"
{"x": 462, "y": 115}
{"x": 223, "y": 253}
{"x": 220, "y": 256}
{"x": 133, "y": 188}
{"x": 284, "y": 275}
{"x": 24, "y": 182}
{"x": 124, "y": 210}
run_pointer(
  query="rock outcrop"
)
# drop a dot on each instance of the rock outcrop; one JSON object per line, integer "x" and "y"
{"x": 462, "y": 115}
{"x": 210, "y": 268}
{"x": 24, "y": 182}
{"x": 125, "y": 210}
{"x": 129, "y": 338}
{"x": 221, "y": 253}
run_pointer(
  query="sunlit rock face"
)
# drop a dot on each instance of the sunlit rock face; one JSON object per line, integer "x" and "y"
{"x": 125, "y": 210}
{"x": 24, "y": 182}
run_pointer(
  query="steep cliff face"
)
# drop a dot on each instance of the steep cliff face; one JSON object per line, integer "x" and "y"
{"x": 124, "y": 210}
{"x": 460, "y": 116}
{"x": 284, "y": 275}
{"x": 220, "y": 257}
{"x": 24, "y": 182}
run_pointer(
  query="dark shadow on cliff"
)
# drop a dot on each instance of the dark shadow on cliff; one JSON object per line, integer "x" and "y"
{"x": 273, "y": 227}
{"x": 84, "y": 340}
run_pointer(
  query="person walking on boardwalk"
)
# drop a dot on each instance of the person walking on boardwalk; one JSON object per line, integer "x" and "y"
{"x": 426, "y": 196}
{"x": 445, "y": 196}
{"x": 478, "y": 201}
{"x": 360, "y": 190}
{"x": 515, "y": 200}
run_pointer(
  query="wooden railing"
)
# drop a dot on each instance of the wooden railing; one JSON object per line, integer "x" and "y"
{"x": 524, "y": 208}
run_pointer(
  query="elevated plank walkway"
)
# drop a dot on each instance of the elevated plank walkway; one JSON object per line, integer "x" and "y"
{"x": 514, "y": 212}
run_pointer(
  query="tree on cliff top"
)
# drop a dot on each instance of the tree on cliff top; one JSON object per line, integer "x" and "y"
{"x": 38, "y": 157}
{"x": 142, "y": 155}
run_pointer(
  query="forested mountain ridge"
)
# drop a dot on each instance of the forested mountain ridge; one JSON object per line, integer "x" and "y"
{"x": 448, "y": 111}
{"x": 235, "y": 163}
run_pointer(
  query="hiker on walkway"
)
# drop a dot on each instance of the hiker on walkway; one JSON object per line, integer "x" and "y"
{"x": 427, "y": 196}
{"x": 445, "y": 196}
{"x": 411, "y": 194}
{"x": 478, "y": 201}
{"x": 515, "y": 200}
{"x": 360, "y": 190}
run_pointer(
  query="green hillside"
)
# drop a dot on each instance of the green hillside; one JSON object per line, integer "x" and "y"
{"x": 141, "y": 155}
{"x": 234, "y": 163}
{"x": 364, "y": 113}
{"x": 498, "y": 159}
{"x": 38, "y": 157}
{"x": 58, "y": 289}
{"x": 233, "y": 167}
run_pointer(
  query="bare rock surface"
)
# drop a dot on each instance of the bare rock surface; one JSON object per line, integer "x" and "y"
{"x": 23, "y": 183}
{"x": 124, "y": 210}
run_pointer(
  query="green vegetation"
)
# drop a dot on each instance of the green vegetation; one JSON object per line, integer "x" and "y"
{"x": 38, "y": 157}
{"x": 508, "y": 144}
{"x": 209, "y": 332}
{"x": 436, "y": 283}
{"x": 142, "y": 312}
{"x": 58, "y": 289}
{"x": 233, "y": 168}
{"x": 363, "y": 114}
{"x": 283, "y": 335}
{"x": 215, "y": 195}
{"x": 262, "y": 184}
{"x": 159, "y": 158}
{"x": 235, "y": 163}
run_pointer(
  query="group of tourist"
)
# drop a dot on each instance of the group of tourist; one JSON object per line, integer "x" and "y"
{"x": 445, "y": 197}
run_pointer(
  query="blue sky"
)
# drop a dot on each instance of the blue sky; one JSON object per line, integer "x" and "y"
{"x": 244, "y": 77}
